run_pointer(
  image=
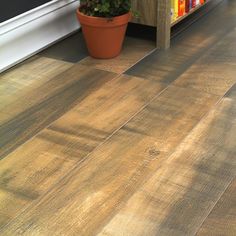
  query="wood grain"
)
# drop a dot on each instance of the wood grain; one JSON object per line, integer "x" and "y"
{"x": 40, "y": 106}
{"x": 157, "y": 13}
{"x": 133, "y": 51}
{"x": 32, "y": 169}
{"x": 111, "y": 174}
{"x": 222, "y": 219}
{"x": 72, "y": 49}
{"x": 147, "y": 12}
{"x": 31, "y": 74}
{"x": 162, "y": 173}
{"x": 184, "y": 190}
{"x": 215, "y": 72}
{"x": 163, "y": 23}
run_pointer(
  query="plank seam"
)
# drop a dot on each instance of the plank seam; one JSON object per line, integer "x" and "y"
{"x": 87, "y": 157}
{"x": 213, "y": 207}
{"x": 169, "y": 154}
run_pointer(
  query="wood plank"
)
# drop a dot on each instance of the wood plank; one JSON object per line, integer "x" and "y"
{"x": 133, "y": 51}
{"x": 28, "y": 75}
{"x": 111, "y": 174}
{"x": 147, "y": 12}
{"x": 172, "y": 115}
{"x": 27, "y": 173}
{"x": 3, "y": 116}
{"x": 16, "y": 84}
{"x": 71, "y": 49}
{"x": 222, "y": 219}
{"x": 215, "y": 72}
{"x": 40, "y": 106}
{"x": 226, "y": 48}
{"x": 184, "y": 190}
{"x": 210, "y": 76}
{"x": 32, "y": 169}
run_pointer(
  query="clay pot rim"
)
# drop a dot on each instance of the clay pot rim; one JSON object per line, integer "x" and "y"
{"x": 103, "y": 21}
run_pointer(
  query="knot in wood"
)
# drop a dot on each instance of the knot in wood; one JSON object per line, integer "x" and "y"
{"x": 153, "y": 152}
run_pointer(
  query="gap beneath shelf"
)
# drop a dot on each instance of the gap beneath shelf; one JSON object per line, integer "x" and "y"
{"x": 189, "y": 13}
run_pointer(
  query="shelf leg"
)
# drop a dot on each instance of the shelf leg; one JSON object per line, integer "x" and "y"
{"x": 163, "y": 23}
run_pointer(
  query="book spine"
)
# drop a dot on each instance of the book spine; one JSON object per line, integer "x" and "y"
{"x": 174, "y": 10}
{"x": 187, "y": 6}
{"x": 181, "y": 8}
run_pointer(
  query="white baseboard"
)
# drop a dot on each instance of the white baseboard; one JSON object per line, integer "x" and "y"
{"x": 30, "y": 32}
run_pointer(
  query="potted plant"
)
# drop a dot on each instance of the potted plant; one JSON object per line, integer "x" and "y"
{"x": 104, "y": 24}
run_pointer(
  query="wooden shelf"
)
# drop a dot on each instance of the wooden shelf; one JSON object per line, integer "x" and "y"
{"x": 179, "y": 19}
{"x": 157, "y": 13}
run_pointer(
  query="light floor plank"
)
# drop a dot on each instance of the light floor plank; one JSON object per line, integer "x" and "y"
{"x": 28, "y": 75}
{"x": 215, "y": 72}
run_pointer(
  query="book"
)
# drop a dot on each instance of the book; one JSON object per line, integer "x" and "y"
{"x": 194, "y": 3}
{"x": 181, "y": 7}
{"x": 174, "y": 10}
{"x": 187, "y": 6}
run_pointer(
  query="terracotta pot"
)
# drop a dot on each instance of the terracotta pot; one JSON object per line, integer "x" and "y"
{"x": 104, "y": 37}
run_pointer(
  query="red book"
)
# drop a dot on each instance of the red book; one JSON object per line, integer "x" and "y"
{"x": 187, "y": 6}
{"x": 193, "y": 3}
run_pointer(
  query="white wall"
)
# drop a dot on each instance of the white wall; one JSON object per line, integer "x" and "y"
{"x": 30, "y": 32}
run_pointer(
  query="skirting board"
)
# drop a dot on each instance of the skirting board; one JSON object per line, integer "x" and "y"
{"x": 30, "y": 32}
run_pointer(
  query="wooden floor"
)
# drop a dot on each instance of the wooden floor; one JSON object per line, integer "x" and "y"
{"x": 128, "y": 146}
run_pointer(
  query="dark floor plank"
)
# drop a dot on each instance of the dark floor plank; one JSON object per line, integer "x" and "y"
{"x": 222, "y": 219}
{"x": 35, "y": 166}
{"x": 71, "y": 49}
{"x": 41, "y": 106}
{"x": 180, "y": 195}
{"x": 111, "y": 174}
